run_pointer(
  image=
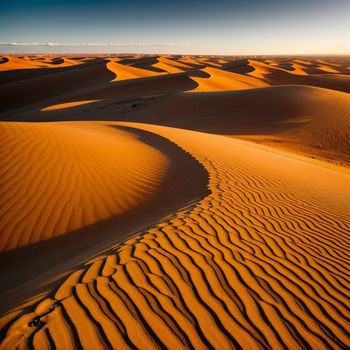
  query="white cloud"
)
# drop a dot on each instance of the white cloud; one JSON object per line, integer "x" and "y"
{"x": 140, "y": 44}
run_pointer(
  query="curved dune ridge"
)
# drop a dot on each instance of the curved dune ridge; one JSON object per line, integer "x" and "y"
{"x": 59, "y": 177}
{"x": 221, "y": 80}
{"x": 169, "y": 65}
{"x": 67, "y": 105}
{"x": 124, "y": 72}
{"x": 262, "y": 262}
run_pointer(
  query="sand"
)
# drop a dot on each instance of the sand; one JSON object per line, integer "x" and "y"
{"x": 67, "y": 176}
{"x": 185, "y": 203}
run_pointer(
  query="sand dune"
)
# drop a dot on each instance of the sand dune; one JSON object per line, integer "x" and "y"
{"x": 24, "y": 72}
{"x": 261, "y": 69}
{"x": 15, "y": 63}
{"x": 221, "y": 80}
{"x": 51, "y": 185}
{"x": 258, "y": 263}
{"x": 301, "y": 119}
{"x": 25, "y": 92}
{"x": 95, "y": 73}
{"x": 124, "y": 72}
{"x": 169, "y": 65}
{"x": 156, "y": 208}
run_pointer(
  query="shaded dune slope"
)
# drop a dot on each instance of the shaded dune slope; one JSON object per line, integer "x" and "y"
{"x": 304, "y": 119}
{"x": 313, "y": 118}
{"x": 25, "y": 71}
{"x": 100, "y": 88}
{"x": 261, "y": 262}
{"x": 28, "y": 91}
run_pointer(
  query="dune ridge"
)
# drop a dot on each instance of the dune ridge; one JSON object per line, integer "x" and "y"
{"x": 221, "y": 80}
{"x": 125, "y": 72}
{"x": 67, "y": 105}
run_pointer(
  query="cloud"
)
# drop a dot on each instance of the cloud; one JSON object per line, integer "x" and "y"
{"x": 50, "y": 44}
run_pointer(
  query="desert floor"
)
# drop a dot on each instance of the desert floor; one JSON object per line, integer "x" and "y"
{"x": 174, "y": 202}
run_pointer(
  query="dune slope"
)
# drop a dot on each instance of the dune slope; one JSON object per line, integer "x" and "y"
{"x": 220, "y": 80}
{"x": 59, "y": 177}
{"x": 125, "y": 72}
{"x": 261, "y": 262}
{"x": 302, "y": 119}
{"x": 51, "y": 83}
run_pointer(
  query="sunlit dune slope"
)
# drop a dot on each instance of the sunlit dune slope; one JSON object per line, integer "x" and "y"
{"x": 169, "y": 65}
{"x": 15, "y": 63}
{"x": 59, "y": 177}
{"x": 259, "y": 263}
{"x": 172, "y": 62}
{"x": 67, "y": 105}
{"x": 124, "y": 72}
{"x": 261, "y": 69}
{"x": 221, "y": 80}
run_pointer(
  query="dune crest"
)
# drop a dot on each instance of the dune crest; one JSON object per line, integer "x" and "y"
{"x": 67, "y": 105}
{"x": 169, "y": 65}
{"x": 124, "y": 72}
{"x": 221, "y": 80}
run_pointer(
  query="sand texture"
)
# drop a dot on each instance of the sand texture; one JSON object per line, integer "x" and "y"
{"x": 175, "y": 202}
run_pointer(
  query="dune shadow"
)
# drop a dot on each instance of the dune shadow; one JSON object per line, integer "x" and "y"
{"x": 16, "y": 75}
{"x": 239, "y": 67}
{"x": 57, "y": 60}
{"x": 24, "y": 92}
{"x": 4, "y": 59}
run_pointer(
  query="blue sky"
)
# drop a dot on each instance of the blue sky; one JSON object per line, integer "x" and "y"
{"x": 192, "y": 26}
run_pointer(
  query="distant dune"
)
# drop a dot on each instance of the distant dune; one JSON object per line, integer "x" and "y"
{"x": 175, "y": 202}
{"x": 220, "y": 80}
{"x": 124, "y": 72}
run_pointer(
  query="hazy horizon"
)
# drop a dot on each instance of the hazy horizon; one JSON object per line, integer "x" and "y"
{"x": 186, "y": 27}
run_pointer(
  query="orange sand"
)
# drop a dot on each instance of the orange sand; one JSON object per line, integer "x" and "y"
{"x": 228, "y": 211}
{"x": 65, "y": 176}
{"x": 67, "y": 105}
{"x": 124, "y": 72}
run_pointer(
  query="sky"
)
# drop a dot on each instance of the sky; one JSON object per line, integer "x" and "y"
{"x": 218, "y": 27}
